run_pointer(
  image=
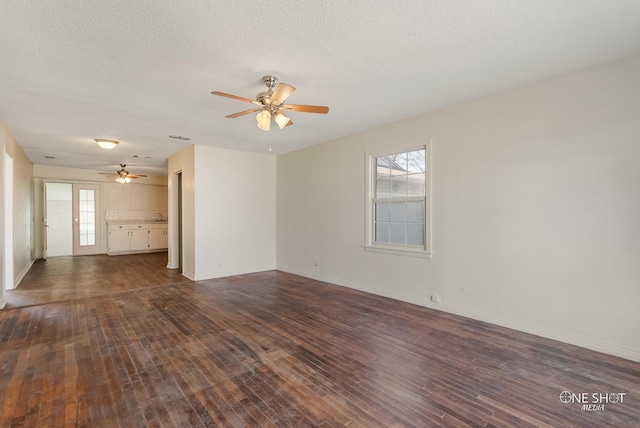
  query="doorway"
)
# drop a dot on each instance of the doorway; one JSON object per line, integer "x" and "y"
{"x": 71, "y": 224}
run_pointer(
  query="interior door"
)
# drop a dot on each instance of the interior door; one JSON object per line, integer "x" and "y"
{"x": 86, "y": 224}
{"x": 58, "y": 219}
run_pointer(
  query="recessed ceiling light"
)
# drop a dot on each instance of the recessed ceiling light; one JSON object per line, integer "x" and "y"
{"x": 180, "y": 137}
{"x": 106, "y": 144}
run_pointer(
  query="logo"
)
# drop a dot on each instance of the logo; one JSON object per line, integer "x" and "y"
{"x": 565, "y": 397}
{"x": 594, "y": 401}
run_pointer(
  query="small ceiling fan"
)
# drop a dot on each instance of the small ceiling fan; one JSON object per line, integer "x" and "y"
{"x": 123, "y": 176}
{"x": 271, "y": 104}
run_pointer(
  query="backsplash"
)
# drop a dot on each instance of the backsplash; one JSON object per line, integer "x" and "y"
{"x": 135, "y": 215}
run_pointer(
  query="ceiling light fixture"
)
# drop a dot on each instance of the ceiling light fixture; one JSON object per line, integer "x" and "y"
{"x": 264, "y": 120}
{"x": 106, "y": 144}
{"x": 123, "y": 180}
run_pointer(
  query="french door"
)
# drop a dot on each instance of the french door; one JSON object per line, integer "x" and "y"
{"x": 86, "y": 220}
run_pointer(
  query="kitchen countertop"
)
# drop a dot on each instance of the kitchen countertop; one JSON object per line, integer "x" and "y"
{"x": 125, "y": 221}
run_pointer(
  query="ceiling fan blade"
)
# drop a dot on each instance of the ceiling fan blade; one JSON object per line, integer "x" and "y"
{"x": 242, "y": 113}
{"x": 136, "y": 175}
{"x": 306, "y": 109}
{"x": 234, "y": 97}
{"x": 281, "y": 93}
{"x": 107, "y": 173}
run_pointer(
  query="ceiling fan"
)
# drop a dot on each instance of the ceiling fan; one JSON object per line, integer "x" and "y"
{"x": 270, "y": 104}
{"x": 123, "y": 176}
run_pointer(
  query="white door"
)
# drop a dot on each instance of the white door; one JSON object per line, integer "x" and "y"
{"x": 86, "y": 224}
{"x": 58, "y": 219}
{"x": 45, "y": 226}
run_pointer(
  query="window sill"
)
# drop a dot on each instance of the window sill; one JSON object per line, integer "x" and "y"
{"x": 399, "y": 251}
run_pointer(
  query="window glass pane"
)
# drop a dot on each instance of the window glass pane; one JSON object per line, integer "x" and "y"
{"x": 415, "y": 185}
{"x": 397, "y": 233}
{"x": 87, "y": 218}
{"x": 415, "y": 211}
{"x": 415, "y": 234}
{"x": 416, "y": 161}
{"x": 382, "y": 232}
{"x": 399, "y": 161}
{"x": 399, "y": 186}
{"x": 382, "y": 211}
{"x": 383, "y": 187}
{"x": 398, "y": 212}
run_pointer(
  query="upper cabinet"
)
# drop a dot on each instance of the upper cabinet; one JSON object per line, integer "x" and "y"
{"x": 149, "y": 198}
{"x": 135, "y": 197}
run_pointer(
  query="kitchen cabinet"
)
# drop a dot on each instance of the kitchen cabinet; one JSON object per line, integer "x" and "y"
{"x": 158, "y": 236}
{"x": 119, "y": 239}
{"x": 137, "y": 237}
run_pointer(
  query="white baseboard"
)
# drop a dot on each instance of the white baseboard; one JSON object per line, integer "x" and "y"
{"x": 189, "y": 275}
{"x": 22, "y": 273}
{"x": 537, "y": 330}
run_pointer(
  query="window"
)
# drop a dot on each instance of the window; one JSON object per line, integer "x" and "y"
{"x": 87, "y": 217}
{"x": 398, "y": 202}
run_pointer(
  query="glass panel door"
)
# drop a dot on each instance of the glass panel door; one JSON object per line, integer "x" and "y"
{"x": 86, "y": 224}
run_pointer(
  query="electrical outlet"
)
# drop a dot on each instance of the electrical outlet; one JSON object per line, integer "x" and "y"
{"x": 435, "y": 298}
{"x": 315, "y": 263}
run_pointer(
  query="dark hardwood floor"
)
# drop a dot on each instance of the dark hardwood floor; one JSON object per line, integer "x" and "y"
{"x": 64, "y": 278}
{"x": 277, "y": 350}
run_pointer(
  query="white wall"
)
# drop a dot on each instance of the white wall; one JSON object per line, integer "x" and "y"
{"x": 235, "y": 212}
{"x": 536, "y": 210}
{"x": 23, "y": 237}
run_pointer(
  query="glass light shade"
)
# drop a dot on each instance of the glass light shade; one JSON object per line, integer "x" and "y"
{"x": 123, "y": 180}
{"x": 264, "y": 120}
{"x": 106, "y": 144}
{"x": 281, "y": 119}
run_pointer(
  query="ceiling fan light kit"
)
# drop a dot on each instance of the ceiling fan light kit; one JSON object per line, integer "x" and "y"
{"x": 106, "y": 144}
{"x": 270, "y": 104}
{"x": 122, "y": 175}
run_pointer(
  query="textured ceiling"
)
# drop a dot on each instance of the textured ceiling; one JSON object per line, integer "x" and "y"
{"x": 137, "y": 71}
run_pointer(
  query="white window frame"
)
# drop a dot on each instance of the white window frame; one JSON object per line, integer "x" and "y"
{"x": 397, "y": 249}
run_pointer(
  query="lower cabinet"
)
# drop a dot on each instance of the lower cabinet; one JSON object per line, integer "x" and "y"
{"x": 119, "y": 240}
{"x": 158, "y": 237}
{"x": 138, "y": 237}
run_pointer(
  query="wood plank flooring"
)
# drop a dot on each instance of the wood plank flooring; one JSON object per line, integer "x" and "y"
{"x": 277, "y": 350}
{"x": 63, "y": 278}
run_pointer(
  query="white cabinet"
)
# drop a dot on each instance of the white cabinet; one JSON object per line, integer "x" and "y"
{"x": 158, "y": 236}
{"x": 137, "y": 237}
{"x": 119, "y": 239}
{"x": 140, "y": 240}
